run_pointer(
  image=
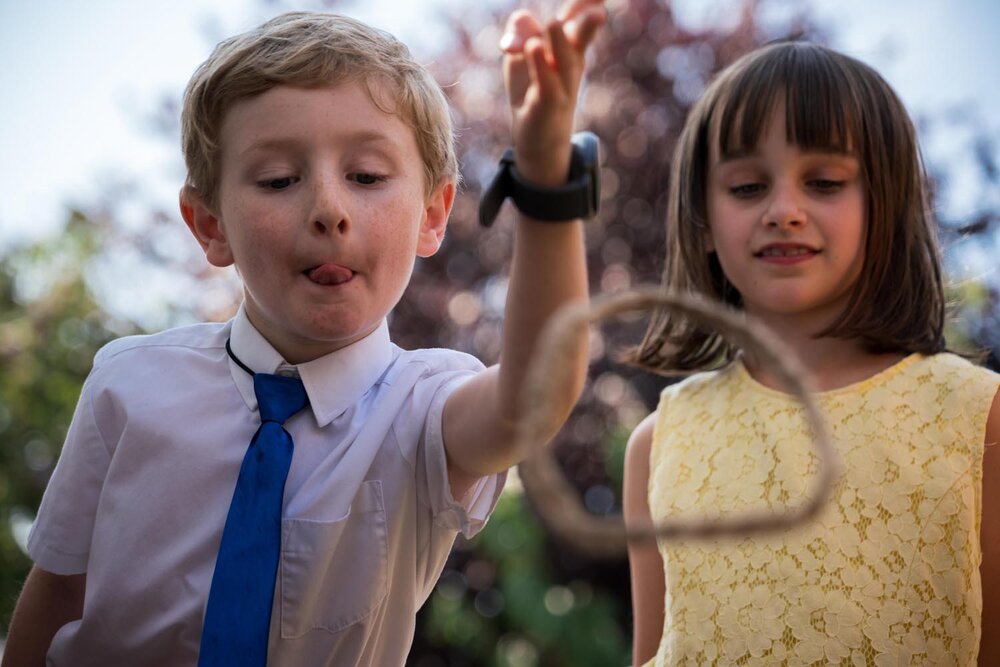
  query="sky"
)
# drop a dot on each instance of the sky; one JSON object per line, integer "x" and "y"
{"x": 81, "y": 80}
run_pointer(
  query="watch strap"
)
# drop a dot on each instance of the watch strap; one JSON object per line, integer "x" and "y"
{"x": 577, "y": 198}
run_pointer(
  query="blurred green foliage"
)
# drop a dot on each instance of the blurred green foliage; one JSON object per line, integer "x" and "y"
{"x": 505, "y": 607}
{"x": 504, "y": 602}
{"x": 50, "y": 327}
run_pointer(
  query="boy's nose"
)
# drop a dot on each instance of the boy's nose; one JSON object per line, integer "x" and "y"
{"x": 328, "y": 214}
{"x": 324, "y": 226}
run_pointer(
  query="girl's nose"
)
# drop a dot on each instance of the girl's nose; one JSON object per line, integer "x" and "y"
{"x": 784, "y": 208}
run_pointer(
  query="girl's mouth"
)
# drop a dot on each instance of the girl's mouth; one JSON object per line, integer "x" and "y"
{"x": 329, "y": 274}
{"x": 785, "y": 253}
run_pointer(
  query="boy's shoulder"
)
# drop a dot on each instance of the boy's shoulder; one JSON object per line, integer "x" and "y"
{"x": 431, "y": 361}
{"x": 205, "y": 335}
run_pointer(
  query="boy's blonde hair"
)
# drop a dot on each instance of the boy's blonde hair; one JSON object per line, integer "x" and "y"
{"x": 832, "y": 102}
{"x": 312, "y": 49}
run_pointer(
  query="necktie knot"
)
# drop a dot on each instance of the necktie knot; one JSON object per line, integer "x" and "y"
{"x": 278, "y": 397}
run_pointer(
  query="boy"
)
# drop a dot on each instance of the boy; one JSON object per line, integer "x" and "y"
{"x": 320, "y": 163}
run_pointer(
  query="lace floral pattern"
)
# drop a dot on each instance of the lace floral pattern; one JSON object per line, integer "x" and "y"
{"x": 888, "y": 574}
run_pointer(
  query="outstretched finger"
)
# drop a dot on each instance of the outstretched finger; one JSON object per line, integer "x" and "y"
{"x": 567, "y": 61}
{"x": 581, "y": 29}
{"x": 540, "y": 69}
{"x": 516, "y": 77}
{"x": 521, "y": 26}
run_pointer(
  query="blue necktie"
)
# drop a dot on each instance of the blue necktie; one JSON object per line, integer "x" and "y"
{"x": 238, "y": 616}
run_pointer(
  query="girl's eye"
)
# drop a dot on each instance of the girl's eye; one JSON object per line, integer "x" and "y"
{"x": 827, "y": 185}
{"x": 277, "y": 183}
{"x": 366, "y": 179}
{"x": 746, "y": 190}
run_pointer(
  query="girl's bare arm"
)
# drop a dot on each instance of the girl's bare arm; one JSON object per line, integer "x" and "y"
{"x": 989, "y": 536}
{"x": 646, "y": 565}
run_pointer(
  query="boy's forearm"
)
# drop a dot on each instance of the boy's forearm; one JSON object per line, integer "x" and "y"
{"x": 548, "y": 270}
{"x": 47, "y": 602}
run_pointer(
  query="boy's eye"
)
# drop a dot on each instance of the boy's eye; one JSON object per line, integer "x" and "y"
{"x": 362, "y": 178}
{"x": 277, "y": 183}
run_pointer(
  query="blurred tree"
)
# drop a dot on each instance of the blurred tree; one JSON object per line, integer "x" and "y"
{"x": 511, "y": 597}
{"x": 971, "y": 241}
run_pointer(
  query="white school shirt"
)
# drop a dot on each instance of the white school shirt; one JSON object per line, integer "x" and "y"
{"x": 141, "y": 491}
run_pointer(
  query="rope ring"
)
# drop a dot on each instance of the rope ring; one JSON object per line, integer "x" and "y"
{"x": 555, "y": 499}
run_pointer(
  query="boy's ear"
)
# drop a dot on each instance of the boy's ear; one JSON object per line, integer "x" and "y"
{"x": 206, "y": 227}
{"x": 436, "y": 213}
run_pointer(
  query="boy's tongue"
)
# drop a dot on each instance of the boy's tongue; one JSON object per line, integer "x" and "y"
{"x": 330, "y": 274}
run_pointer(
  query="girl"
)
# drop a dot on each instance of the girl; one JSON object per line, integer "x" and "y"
{"x": 797, "y": 195}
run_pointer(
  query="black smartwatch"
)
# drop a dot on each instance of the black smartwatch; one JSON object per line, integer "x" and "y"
{"x": 578, "y": 198}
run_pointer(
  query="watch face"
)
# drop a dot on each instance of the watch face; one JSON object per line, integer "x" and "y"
{"x": 590, "y": 148}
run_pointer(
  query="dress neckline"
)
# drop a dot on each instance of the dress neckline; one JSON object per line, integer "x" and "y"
{"x": 854, "y": 387}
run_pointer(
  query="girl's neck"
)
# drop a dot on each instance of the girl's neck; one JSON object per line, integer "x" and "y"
{"x": 831, "y": 363}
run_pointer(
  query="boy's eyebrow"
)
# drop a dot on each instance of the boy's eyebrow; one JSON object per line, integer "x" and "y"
{"x": 360, "y": 138}
{"x": 270, "y": 143}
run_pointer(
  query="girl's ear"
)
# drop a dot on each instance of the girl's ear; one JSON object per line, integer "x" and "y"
{"x": 206, "y": 226}
{"x": 436, "y": 213}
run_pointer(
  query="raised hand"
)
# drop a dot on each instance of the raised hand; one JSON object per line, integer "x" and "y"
{"x": 543, "y": 66}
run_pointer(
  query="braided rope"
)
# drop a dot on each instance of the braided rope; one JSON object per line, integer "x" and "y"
{"x": 557, "y": 502}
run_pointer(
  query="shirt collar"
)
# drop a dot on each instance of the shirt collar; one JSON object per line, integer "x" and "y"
{"x": 333, "y": 382}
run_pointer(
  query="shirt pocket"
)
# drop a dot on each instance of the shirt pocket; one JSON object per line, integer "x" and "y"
{"x": 333, "y": 573}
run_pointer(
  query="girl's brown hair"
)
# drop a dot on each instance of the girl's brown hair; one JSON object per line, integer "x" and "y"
{"x": 832, "y": 102}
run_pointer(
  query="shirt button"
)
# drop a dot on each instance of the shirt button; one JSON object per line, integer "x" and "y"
{"x": 287, "y": 373}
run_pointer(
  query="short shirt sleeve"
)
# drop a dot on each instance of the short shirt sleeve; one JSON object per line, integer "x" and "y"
{"x": 467, "y": 515}
{"x": 60, "y": 537}
{"x": 441, "y": 373}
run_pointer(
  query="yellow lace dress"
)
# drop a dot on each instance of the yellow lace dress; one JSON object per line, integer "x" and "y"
{"x": 888, "y": 574}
